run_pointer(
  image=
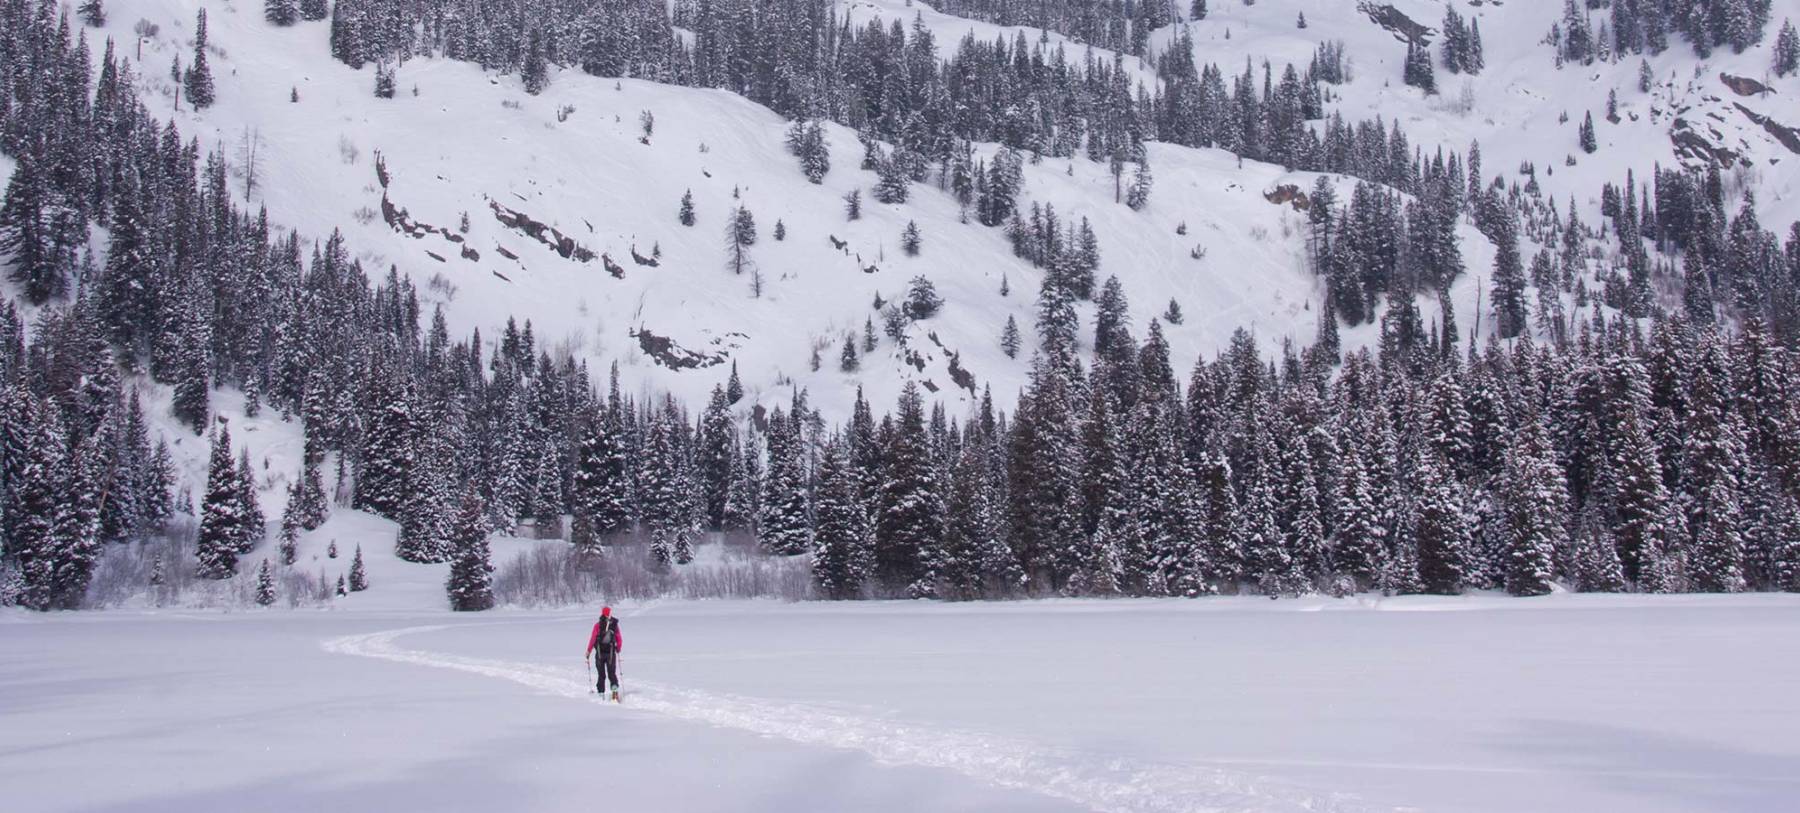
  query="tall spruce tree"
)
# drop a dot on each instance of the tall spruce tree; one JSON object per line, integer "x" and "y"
{"x": 842, "y": 556}
{"x": 470, "y": 586}
{"x": 198, "y": 80}
{"x": 909, "y": 508}
{"x": 222, "y": 514}
{"x": 1535, "y": 494}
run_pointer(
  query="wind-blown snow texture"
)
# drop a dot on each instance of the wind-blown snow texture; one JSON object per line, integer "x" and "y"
{"x": 1573, "y": 703}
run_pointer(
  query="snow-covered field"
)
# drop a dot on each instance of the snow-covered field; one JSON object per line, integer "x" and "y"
{"x": 1570, "y": 703}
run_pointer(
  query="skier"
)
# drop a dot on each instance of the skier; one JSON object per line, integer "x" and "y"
{"x": 604, "y": 644}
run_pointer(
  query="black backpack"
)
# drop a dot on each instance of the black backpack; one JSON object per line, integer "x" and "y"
{"x": 609, "y": 626}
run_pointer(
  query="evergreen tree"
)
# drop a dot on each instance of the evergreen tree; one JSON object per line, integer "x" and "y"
{"x": 1535, "y": 495}
{"x": 389, "y": 458}
{"x": 1009, "y": 337}
{"x": 1586, "y": 134}
{"x": 1442, "y": 531}
{"x": 842, "y": 557}
{"x": 255, "y": 525}
{"x": 193, "y": 384}
{"x": 93, "y": 12}
{"x": 39, "y": 228}
{"x": 716, "y": 458}
{"x": 535, "y": 75}
{"x": 265, "y": 585}
{"x": 909, "y": 239}
{"x": 198, "y": 80}
{"x": 471, "y": 574}
{"x": 599, "y": 490}
{"x": 222, "y": 515}
{"x": 892, "y": 185}
{"x": 909, "y": 509}
{"x": 922, "y": 299}
{"x": 1359, "y": 546}
{"x": 359, "y": 578}
{"x": 1139, "y": 195}
{"x": 1509, "y": 278}
{"x": 314, "y": 9}
{"x": 686, "y": 213}
{"x": 1418, "y": 70}
{"x": 288, "y": 549}
{"x": 853, "y": 205}
{"x": 384, "y": 80}
{"x": 847, "y": 359}
{"x": 782, "y": 524}
{"x": 1787, "y": 50}
{"x": 1713, "y": 460}
{"x": 281, "y": 12}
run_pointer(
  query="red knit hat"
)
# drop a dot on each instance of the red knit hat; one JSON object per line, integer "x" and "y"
{"x": 605, "y": 611}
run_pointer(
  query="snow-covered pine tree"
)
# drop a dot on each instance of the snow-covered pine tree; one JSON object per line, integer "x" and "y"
{"x": 1713, "y": 461}
{"x": 222, "y": 519}
{"x": 1442, "y": 531}
{"x": 909, "y": 509}
{"x": 534, "y": 74}
{"x": 909, "y": 239}
{"x": 1535, "y": 494}
{"x": 1009, "y": 337}
{"x": 1787, "y": 50}
{"x": 1510, "y": 318}
{"x": 782, "y": 526}
{"x": 685, "y": 213}
{"x": 1138, "y": 196}
{"x": 314, "y": 9}
{"x": 424, "y": 536}
{"x": 198, "y": 79}
{"x": 1585, "y": 134}
{"x": 190, "y": 365}
{"x": 599, "y": 493}
{"x": 1359, "y": 547}
{"x": 255, "y": 525}
{"x": 853, "y": 205}
{"x": 716, "y": 459}
{"x": 922, "y": 299}
{"x": 842, "y": 557}
{"x": 281, "y": 12}
{"x": 1596, "y": 560}
{"x": 388, "y": 456}
{"x": 471, "y": 574}
{"x": 288, "y": 549}
{"x": 359, "y": 577}
{"x": 1417, "y": 69}
{"x": 93, "y": 12}
{"x": 848, "y": 361}
{"x": 892, "y": 184}
{"x": 265, "y": 585}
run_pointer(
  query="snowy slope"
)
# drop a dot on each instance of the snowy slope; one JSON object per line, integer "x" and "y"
{"x": 468, "y": 140}
{"x": 457, "y": 140}
{"x": 1518, "y": 100}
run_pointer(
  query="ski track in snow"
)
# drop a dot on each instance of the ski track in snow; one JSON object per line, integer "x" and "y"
{"x": 1111, "y": 785}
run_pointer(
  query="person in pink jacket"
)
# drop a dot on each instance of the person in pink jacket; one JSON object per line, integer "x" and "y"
{"x": 604, "y": 644}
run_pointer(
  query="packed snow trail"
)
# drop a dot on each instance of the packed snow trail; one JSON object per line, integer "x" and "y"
{"x": 1109, "y": 785}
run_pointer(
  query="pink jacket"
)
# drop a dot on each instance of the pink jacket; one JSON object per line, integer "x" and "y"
{"x": 618, "y": 637}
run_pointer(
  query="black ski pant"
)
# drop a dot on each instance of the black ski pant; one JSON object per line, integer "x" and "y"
{"x": 606, "y": 663}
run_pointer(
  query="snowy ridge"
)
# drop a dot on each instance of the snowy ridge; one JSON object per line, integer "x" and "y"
{"x": 1111, "y": 785}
